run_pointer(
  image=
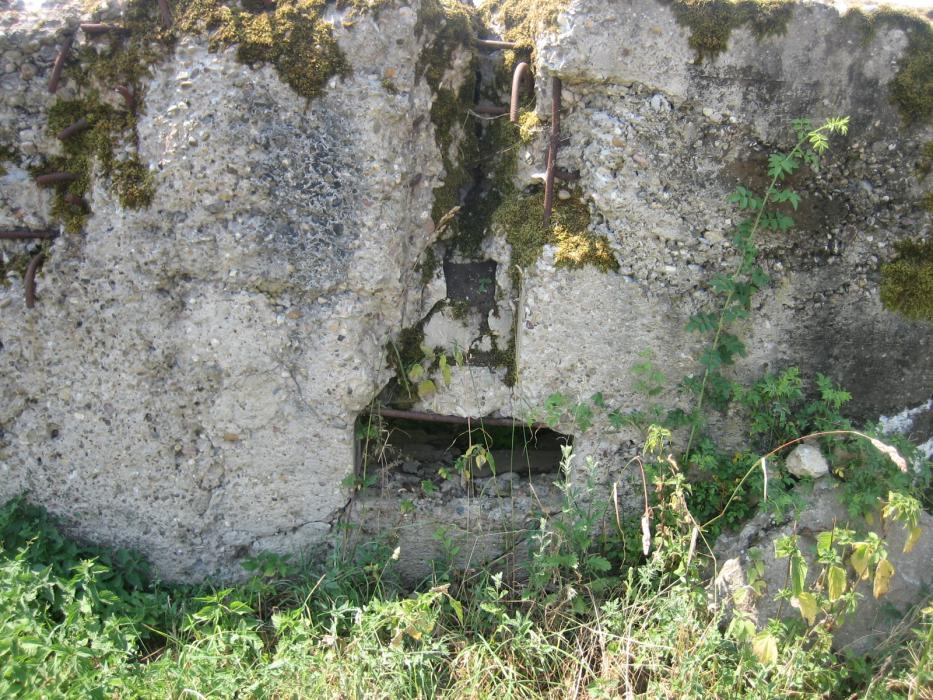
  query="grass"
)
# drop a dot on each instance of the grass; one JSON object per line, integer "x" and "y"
{"x": 595, "y": 618}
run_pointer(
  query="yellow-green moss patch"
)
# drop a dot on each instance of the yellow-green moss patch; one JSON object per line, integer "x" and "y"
{"x": 523, "y": 21}
{"x": 8, "y": 154}
{"x": 907, "y": 282}
{"x": 292, "y": 37}
{"x": 522, "y": 219}
{"x": 711, "y": 21}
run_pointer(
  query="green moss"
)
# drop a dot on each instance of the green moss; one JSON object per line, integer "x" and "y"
{"x": 8, "y": 154}
{"x": 521, "y": 217}
{"x": 711, "y": 21}
{"x": 907, "y": 282}
{"x": 925, "y": 164}
{"x": 911, "y": 89}
{"x": 428, "y": 265}
{"x": 523, "y": 21}
{"x": 292, "y": 37}
{"x": 926, "y": 201}
{"x": 108, "y": 126}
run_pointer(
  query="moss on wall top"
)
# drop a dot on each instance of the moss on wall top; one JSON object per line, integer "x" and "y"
{"x": 291, "y": 36}
{"x": 907, "y": 281}
{"x": 911, "y": 89}
{"x": 711, "y": 21}
{"x": 522, "y": 21}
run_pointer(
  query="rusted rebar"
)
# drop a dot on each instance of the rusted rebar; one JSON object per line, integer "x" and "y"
{"x": 521, "y": 72}
{"x": 74, "y": 200}
{"x": 458, "y": 420}
{"x": 552, "y": 150}
{"x": 26, "y": 234}
{"x": 490, "y": 110}
{"x": 55, "y": 178}
{"x": 30, "y": 280}
{"x": 494, "y": 44}
{"x": 75, "y": 128}
{"x": 128, "y": 97}
{"x": 566, "y": 175}
{"x": 60, "y": 63}
{"x": 166, "y": 13}
{"x": 98, "y": 28}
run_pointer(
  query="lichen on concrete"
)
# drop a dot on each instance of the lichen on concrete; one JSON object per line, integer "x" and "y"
{"x": 907, "y": 281}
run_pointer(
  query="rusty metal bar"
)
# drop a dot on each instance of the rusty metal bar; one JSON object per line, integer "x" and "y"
{"x": 30, "y": 280}
{"x": 521, "y": 71}
{"x": 494, "y": 44}
{"x": 98, "y": 28}
{"x": 458, "y": 420}
{"x": 566, "y": 175}
{"x": 60, "y": 63}
{"x": 166, "y": 13}
{"x": 74, "y": 200}
{"x": 128, "y": 97}
{"x": 490, "y": 110}
{"x": 552, "y": 150}
{"x": 69, "y": 131}
{"x": 26, "y": 234}
{"x": 55, "y": 178}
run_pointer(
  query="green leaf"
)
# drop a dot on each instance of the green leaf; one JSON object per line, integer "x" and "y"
{"x": 457, "y": 607}
{"x": 781, "y": 165}
{"x": 599, "y": 564}
{"x": 598, "y": 400}
{"x": 860, "y": 559}
{"x": 445, "y": 370}
{"x": 426, "y": 388}
{"x": 798, "y": 574}
{"x": 415, "y": 372}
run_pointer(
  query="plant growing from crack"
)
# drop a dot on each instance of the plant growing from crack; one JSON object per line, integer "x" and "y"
{"x": 737, "y": 289}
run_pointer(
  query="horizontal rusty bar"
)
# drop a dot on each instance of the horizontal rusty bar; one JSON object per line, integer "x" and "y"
{"x": 566, "y": 175}
{"x": 81, "y": 125}
{"x": 55, "y": 178}
{"x": 30, "y": 280}
{"x": 26, "y": 234}
{"x": 490, "y": 110}
{"x": 458, "y": 420}
{"x": 98, "y": 28}
{"x": 494, "y": 44}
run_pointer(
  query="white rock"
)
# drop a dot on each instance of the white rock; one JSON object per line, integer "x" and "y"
{"x": 807, "y": 460}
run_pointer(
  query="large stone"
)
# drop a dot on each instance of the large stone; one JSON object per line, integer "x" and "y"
{"x": 874, "y": 619}
{"x": 806, "y": 460}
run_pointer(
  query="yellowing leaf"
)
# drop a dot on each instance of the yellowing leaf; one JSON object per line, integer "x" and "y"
{"x": 415, "y": 372}
{"x": 426, "y": 388}
{"x": 806, "y": 603}
{"x": 836, "y": 577}
{"x": 859, "y": 560}
{"x": 883, "y": 574}
{"x": 764, "y": 646}
{"x": 912, "y": 538}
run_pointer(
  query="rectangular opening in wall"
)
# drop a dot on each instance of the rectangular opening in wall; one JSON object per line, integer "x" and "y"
{"x": 418, "y": 453}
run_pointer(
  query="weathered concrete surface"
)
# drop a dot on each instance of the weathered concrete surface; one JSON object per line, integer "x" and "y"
{"x": 188, "y": 381}
{"x": 873, "y": 621}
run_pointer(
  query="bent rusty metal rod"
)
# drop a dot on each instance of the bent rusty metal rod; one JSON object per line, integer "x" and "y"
{"x": 55, "y": 178}
{"x": 75, "y": 128}
{"x": 459, "y": 420}
{"x": 493, "y": 44}
{"x": 60, "y": 63}
{"x": 26, "y": 234}
{"x": 30, "y": 280}
{"x": 166, "y": 13}
{"x": 552, "y": 150}
{"x": 521, "y": 72}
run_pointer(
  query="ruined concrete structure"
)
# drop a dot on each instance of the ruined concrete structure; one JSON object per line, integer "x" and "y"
{"x": 250, "y": 265}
